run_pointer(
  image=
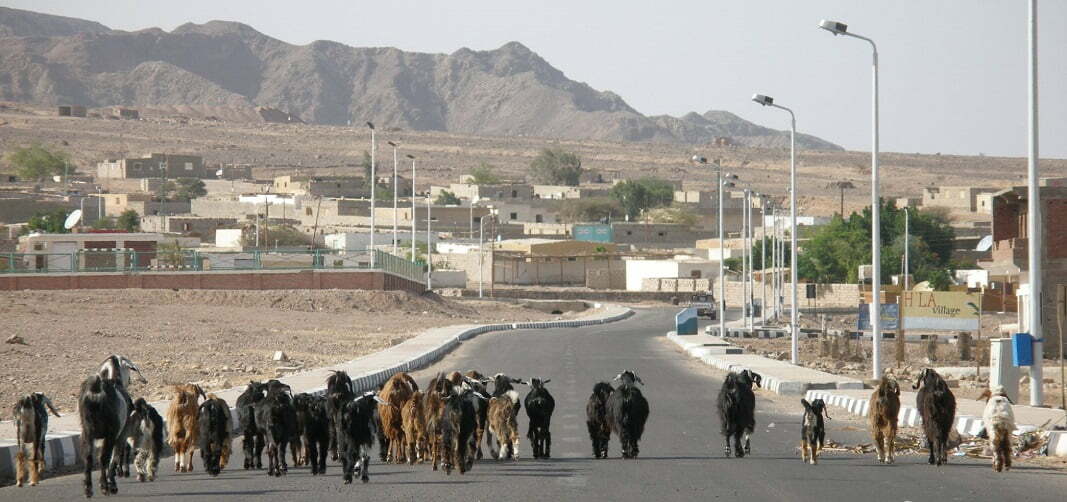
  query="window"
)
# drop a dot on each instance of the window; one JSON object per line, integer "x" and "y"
{"x": 661, "y": 234}
{"x": 38, "y": 247}
{"x": 188, "y": 166}
{"x": 695, "y": 274}
{"x": 514, "y": 216}
{"x": 137, "y": 165}
{"x": 186, "y": 227}
{"x": 514, "y": 193}
{"x": 307, "y": 211}
{"x": 538, "y": 218}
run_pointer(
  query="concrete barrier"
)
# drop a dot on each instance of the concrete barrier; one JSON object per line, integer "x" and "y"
{"x": 367, "y": 372}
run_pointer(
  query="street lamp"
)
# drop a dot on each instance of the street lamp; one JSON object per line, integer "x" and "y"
{"x": 876, "y": 208}
{"x": 412, "y": 157}
{"x": 396, "y": 179}
{"x": 794, "y": 327}
{"x": 373, "y": 183}
{"x": 1034, "y": 222}
{"x": 720, "y": 184}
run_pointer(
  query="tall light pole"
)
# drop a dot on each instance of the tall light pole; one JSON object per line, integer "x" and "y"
{"x": 1034, "y": 218}
{"x": 481, "y": 241}
{"x": 412, "y": 157}
{"x": 794, "y": 326}
{"x": 744, "y": 256}
{"x": 396, "y": 195}
{"x": 721, "y": 182}
{"x": 876, "y": 208}
{"x": 763, "y": 260}
{"x": 907, "y": 216}
{"x": 429, "y": 242}
{"x": 373, "y": 184}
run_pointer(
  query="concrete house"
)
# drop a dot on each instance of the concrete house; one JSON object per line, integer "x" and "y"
{"x": 956, "y": 198}
{"x": 639, "y": 272}
{"x": 323, "y": 186}
{"x": 156, "y": 165}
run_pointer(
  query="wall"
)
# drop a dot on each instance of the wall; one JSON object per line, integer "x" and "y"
{"x": 829, "y": 295}
{"x": 259, "y": 280}
{"x": 639, "y": 270}
{"x": 554, "y": 272}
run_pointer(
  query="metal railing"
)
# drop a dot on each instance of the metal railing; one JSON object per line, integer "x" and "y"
{"x": 187, "y": 260}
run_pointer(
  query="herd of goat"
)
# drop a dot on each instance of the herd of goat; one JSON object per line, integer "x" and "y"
{"x": 442, "y": 424}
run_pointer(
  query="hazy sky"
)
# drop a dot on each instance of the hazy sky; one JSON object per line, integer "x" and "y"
{"x": 953, "y": 72}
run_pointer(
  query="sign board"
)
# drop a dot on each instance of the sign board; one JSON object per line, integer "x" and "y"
{"x": 939, "y": 310}
{"x": 890, "y": 314}
{"x": 593, "y": 233}
{"x": 685, "y": 322}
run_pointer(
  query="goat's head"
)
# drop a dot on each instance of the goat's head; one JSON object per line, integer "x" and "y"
{"x": 749, "y": 377}
{"x": 628, "y": 377}
{"x": 42, "y": 400}
{"x": 118, "y": 367}
{"x": 475, "y": 374}
{"x": 603, "y": 389}
{"x": 537, "y": 383}
{"x": 888, "y": 385}
{"x": 339, "y": 381}
{"x": 929, "y": 378}
{"x": 502, "y": 383}
{"x": 818, "y": 406}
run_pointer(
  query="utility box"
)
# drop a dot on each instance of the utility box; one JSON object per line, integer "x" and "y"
{"x": 685, "y": 322}
{"x": 1022, "y": 349}
{"x": 1002, "y": 370}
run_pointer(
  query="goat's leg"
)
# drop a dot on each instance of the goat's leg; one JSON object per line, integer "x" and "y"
{"x": 803, "y": 450}
{"x": 20, "y": 466}
{"x": 930, "y": 446}
{"x": 726, "y": 445}
{"x": 107, "y": 469}
{"x": 748, "y": 443}
{"x": 879, "y": 444}
{"x": 260, "y": 443}
{"x": 364, "y": 473}
{"x": 546, "y": 450}
{"x": 515, "y": 446}
{"x": 738, "y": 450}
{"x": 891, "y": 444}
{"x": 284, "y": 467}
{"x": 38, "y": 463}
{"x": 333, "y": 441}
{"x": 140, "y": 460}
{"x": 87, "y": 451}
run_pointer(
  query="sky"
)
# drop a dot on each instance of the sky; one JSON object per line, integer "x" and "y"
{"x": 953, "y": 73}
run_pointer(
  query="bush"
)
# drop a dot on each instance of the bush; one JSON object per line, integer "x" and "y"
{"x": 129, "y": 221}
{"x": 37, "y": 162}
{"x": 556, "y": 167}
{"x": 446, "y": 198}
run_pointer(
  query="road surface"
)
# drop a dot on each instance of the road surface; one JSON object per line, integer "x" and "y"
{"x": 681, "y": 452}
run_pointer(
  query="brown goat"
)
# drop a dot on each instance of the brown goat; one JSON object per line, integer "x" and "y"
{"x": 414, "y": 428}
{"x": 433, "y": 406}
{"x": 504, "y": 424}
{"x": 182, "y": 424}
{"x": 395, "y": 393}
{"x": 882, "y": 418}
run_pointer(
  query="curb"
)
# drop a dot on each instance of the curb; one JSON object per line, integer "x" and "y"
{"x": 62, "y": 447}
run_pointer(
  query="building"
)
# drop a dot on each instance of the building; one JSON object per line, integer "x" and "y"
{"x": 125, "y": 113}
{"x": 732, "y": 248}
{"x": 496, "y": 192}
{"x": 542, "y": 262}
{"x": 657, "y": 235}
{"x": 323, "y": 186}
{"x": 143, "y": 203}
{"x": 1010, "y": 249}
{"x": 640, "y": 270}
{"x": 562, "y": 192}
{"x": 156, "y": 165}
{"x": 527, "y": 211}
{"x": 192, "y": 226}
{"x": 72, "y": 111}
{"x": 101, "y": 251}
{"x": 955, "y": 198}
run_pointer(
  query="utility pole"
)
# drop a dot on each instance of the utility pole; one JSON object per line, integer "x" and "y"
{"x": 481, "y": 254}
{"x": 1034, "y": 221}
{"x": 373, "y": 185}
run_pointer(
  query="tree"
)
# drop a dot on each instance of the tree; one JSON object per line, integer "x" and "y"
{"x": 189, "y": 188}
{"x": 446, "y": 198}
{"x": 589, "y": 210}
{"x": 49, "y": 222}
{"x": 103, "y": 224}
{"x": 757, "y": 251}
{"x": 37, "y": 162}
{"x": 129, "y": 221}
{"x": 556, "y": 167}
{"x": 636, "y": 196}
{"x": 676, "y": 215}
{"x": 484, "y": 175}
{"x": 276, "y": 235}
{"x": 835, "y": 251}
{"x": 165, "y": 190}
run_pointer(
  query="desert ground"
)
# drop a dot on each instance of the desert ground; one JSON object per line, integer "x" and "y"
{"x": 215, "y": 338}
{"x": 277, "y": 149}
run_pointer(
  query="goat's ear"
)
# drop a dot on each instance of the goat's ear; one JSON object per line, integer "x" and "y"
{"x": 985, "y": 395}
{"x": 520, "y": 381}
{"x": 617, "y": 377}
{"x": 807, "y": 405}
{"x": 545, "y": 382}
{"x": 918, "y": 381}
{"x": 200, "y": 391}
{"x": 48, "y": 403}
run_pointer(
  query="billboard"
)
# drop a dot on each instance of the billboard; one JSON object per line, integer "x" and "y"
{"x": 593, "y": 233}
{"x": 890, "y": 315}
{"x": 940, "y": 310}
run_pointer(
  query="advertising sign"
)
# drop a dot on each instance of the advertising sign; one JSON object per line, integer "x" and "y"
{"x": 940, "y": 310}
{"x": 889, "y": 317}
{"x": 593, "y": 233}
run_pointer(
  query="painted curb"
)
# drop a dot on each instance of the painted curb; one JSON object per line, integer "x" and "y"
{"x": 62, "y": 449}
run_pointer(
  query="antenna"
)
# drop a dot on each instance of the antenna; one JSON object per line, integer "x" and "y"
{"x": 985, "y": 244}
{"x": 73, "y": 219}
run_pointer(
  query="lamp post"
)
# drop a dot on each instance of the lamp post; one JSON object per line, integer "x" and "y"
{"x": 763, "y": 260}
{"x": 744, "y": 256}
{"x": 794, "y": 327}
{"x": 429, "y": 243}
{"x": 373, "y": 184}
{"x": 396, "y": 179}
{"x": 907, "y": 216}
{"x": 481, "y": 241}
{"x": 1034, "y": 219}
{"x": 876, "y": 208}
{"x": 412, "y": 157}
{"x": 721, "y": 182}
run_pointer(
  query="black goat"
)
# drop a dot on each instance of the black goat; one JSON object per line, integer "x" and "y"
{"x": 119, "y": 369}
{"x": 596, "y": 419}
{"x": 458, "y": 423}
{"x": 539, "y": 407}
{"x": 103, "y": 409}
{"x": 339, "y": 391}
{"x": 252, "y": 441}
{"x": 737, "y": 409}
{"x": 31, "y": 426}
{"x": 937, "y": 406}
{"x": 627, "y": 412}
{"x": 276, "y": 420}
{"x": 357, "y": 436}
{"x": 314, "y": 425}
{"x": 812, "y": 430}
{"x": 213, "y": 418}
{"x": 144, "y": 433}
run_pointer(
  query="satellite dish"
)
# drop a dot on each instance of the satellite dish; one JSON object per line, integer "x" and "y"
{"x": 219, "y": 173}
{"x": 985, "y": 243}
{"x": 73, "y": 219}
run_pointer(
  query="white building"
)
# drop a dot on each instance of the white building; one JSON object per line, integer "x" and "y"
{"x": 639, "y": 270}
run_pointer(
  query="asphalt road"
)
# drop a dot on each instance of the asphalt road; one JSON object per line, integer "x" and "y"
{"x": 681, "y": 452}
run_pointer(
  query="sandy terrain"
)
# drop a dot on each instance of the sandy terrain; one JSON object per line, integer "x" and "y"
{"x": 216, "y": 338}
{"x": 277, "y": 149}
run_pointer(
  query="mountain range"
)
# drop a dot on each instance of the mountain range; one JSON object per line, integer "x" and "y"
{"x": 47, "y": 59}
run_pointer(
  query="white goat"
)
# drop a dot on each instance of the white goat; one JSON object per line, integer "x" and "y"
{"x": 999, "y": 423}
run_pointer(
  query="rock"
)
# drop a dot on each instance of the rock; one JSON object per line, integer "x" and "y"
{"x": 15, "y": 340}
{"x": 225, "y": 368}
{"x": 280, "y": 356}
{"x": 250, "y": 369}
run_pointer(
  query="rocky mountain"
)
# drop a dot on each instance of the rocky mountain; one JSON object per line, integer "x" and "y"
{"x": 508, "y": 91}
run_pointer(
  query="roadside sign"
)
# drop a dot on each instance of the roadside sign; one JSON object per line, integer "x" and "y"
{"x": 940, "y": 310}
{"x": 890, "y": 314}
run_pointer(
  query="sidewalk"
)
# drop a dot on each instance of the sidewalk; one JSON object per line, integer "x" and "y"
{"x": 367, "y": 373}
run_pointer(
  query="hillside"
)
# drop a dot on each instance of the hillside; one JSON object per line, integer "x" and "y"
{"x": 509, "y": 91}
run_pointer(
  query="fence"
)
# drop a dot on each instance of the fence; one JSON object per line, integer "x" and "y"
{"x": 185, "y": 260}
